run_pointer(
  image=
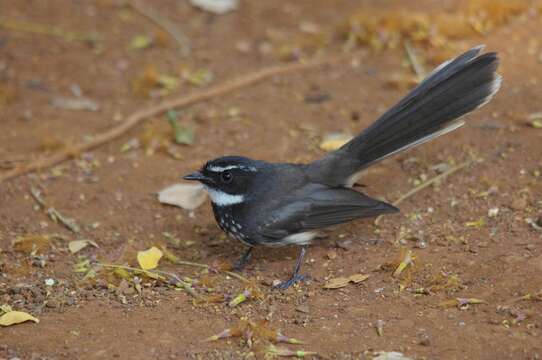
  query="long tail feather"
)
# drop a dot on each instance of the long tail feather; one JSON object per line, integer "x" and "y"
{"x": 432, "y": 109}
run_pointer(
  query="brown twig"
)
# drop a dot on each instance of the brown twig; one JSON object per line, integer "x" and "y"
{"x": 141, "y": 115}
{"x": 151, "y": 274}
{"x": 203, "y": 266}
{"x": 161, "y": 275}
{"x": 53, "y": 213}
{"x": 12, "y": 162}
{"x": 164, "y": 23}
{"x": 427, "y": 184}
{"x": 431, "y": 181}
{"x": 55, "y": 31}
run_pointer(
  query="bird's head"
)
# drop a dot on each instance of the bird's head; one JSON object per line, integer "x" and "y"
{"x": 228, "y": 179}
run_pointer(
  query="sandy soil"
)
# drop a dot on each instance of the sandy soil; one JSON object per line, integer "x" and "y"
{"x": 110, "y": 192}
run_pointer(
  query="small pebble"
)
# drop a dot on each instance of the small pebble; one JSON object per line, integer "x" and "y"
{"x": 345, "y": 244}
{"x": 375, "y": 242}
{"x": 243, "y": 46}
{"x": 52, "y": 303}
{"x": 421, "y": 244}
{"x": 493, "y": 212}
{"x": 424, "y": 340}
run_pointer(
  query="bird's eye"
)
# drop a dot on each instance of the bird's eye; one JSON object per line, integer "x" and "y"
{"x": 226, "y": 177}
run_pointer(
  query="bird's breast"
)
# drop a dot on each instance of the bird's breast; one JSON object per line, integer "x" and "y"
{"x": 229, "y": 221}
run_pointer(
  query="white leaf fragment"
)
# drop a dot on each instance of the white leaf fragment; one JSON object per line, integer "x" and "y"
{"x": 75, "y": 104}
{"x": 78, "y": 245}
{"x": 392, "y": 355}
{"x": 493, "y": 212}
{"x": 219, "y": 7}
{"x": 187, "y": 196}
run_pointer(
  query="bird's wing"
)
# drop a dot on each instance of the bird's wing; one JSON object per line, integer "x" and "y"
{"x": 321, "y": 208}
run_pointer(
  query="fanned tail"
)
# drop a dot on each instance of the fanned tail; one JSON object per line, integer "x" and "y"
{"x": 432, "y": 109}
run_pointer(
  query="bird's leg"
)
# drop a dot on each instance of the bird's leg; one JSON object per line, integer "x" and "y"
{"x": 243, "y": 260}
{"x": 296, "y": 277}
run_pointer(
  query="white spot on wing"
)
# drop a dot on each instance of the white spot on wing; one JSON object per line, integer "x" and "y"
{"x": 303, "y": 238}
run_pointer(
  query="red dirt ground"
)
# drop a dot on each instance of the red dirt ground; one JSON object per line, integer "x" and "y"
{"x": 498, "y": 261}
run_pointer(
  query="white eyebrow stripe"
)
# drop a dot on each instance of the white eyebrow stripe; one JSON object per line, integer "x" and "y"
{"x": 230, "y": 167}
{"x": 221, "y": 198}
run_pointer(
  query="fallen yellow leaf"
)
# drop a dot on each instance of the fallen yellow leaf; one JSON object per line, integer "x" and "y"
{"x": 537, "y": 124}
{"x": 16, "y": 317}
{"x": 336, "y": 283}
{"x": 149, "y": 259}
{"x": 140, "y": 42}
{"x": 169, "y": 255}
{"x": 476, "y": 224}
{"x": 408, "y": 259}
{"x": 31, "y": 243}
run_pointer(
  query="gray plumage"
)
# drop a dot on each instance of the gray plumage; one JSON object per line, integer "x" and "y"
{"x": 431, "y": 109}
{"x": 276, "y": 204}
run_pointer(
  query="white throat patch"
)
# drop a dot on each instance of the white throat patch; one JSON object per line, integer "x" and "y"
{"x": 220, "y": 198}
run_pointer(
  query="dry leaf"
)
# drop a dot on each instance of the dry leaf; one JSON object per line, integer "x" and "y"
{"x": 334, "y": 141}
{"x": 477, "y": 223}
{"x": 274, "y": 351}
{"x": 16, "y": 317}
{"x": 181, "y": 134}
{"x": 31, "y": 243}
{"x": 340, "y": 282}
{"x": 152, "y": 83}
{"x": 78, "y": 245}
{"x": 407, "y": 260}
{"x": 75, "y": 104}
{"x": 537, "y": 124}
{"x": 149, "y": 259}
{"x": 380, "y": 327}
{"x": 199, "y": 77}
{"x": 357, "y": 278}
{"x": 140, "y": 42}
{"x": 169, "y": 255}
{"x": 187, "y": 196}
{"x": 461, "y": 303}
{"x": 336, "y": 283}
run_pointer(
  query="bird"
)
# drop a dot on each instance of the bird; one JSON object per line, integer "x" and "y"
{"x": 276, "y": 204}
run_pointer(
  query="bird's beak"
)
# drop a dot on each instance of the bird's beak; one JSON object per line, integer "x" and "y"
{"x": 197, "y": 176}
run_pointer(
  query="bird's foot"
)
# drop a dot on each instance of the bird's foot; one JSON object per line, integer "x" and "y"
{"x": 286, "y": 284}
{"x": 240, "y": 264}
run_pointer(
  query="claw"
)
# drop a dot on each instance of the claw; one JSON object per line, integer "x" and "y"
{"x": 240, "y": 264}
{"x": 286, "y": 284}
{"x": 296, "y": 277}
